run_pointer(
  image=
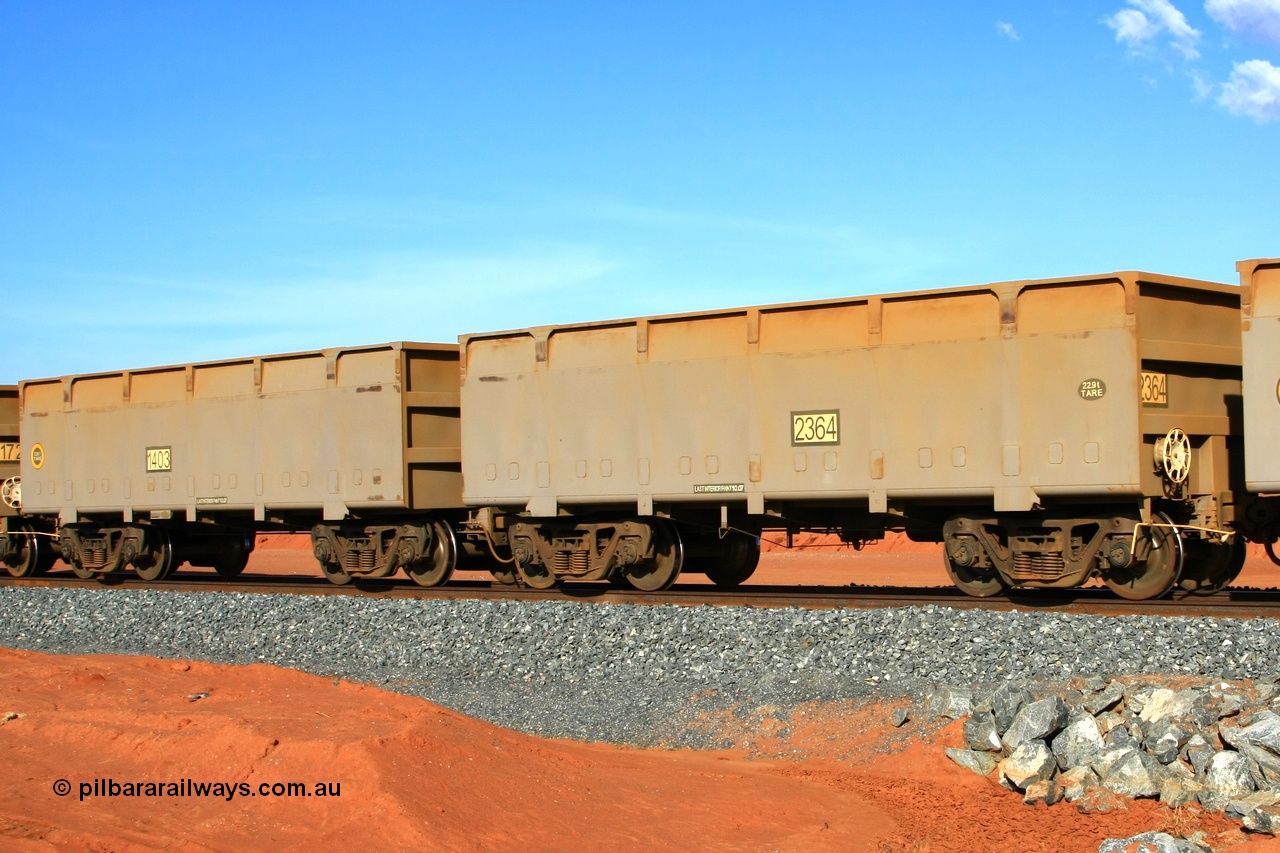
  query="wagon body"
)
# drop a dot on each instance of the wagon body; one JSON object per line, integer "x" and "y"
{"x": 305, "y": 436}
{"x": 1260, "y": 285}
{"x": 1011, "y": 396}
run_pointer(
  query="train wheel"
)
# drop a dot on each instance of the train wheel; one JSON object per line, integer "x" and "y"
{"x": 660, "y": 572}
{"x": 736, "y": 560}
{"x": 32, "y": 558}
{"x": 1270, "y": 548}
{"x": 436, "y": 566}
{"x": 156, "y": 562}
{"x": 1157, "y": 572}
{"x": 1210, "y": 567}
{"x": 232, "y": 559}
{"x": 537, "y": 575}
{"x": 335, "y": 574}
{"x": 977, "y": 582}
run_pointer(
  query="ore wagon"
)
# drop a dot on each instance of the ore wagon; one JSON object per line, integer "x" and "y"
{"x": 22, "y": 550}
{"x": 1046, "y": 431}
{"x": 1260, "y": 322}
{"x": 150, "y": 468}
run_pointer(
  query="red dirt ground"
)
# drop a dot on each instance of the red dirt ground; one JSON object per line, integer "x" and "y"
{"x": 415, "y": 776}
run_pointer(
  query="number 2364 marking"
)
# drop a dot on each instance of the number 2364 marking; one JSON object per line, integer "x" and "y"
{"x": 815, "y": 427}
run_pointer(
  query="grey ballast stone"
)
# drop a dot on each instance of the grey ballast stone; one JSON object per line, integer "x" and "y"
{"x": 1229, "y": 774}
{"x": 899, "y": 717}
{"x": 949, "y": 702}
{"x": 980, "y": 762}
{"x": 1036, "y": 721}
{"x": 1199, "y": 753}
{"x": 1044, "y": 791}
{"x": 1165, "y": 740}
{"x": 1030, "y": 762}
{"x": 1238, "y": 808}
{"x": 1265, "y": 819}
{"x": 1077, "y": 782}
{"x": 1136, "y": 774}
{"x": 980, "y": 732}
{"x": 1165, "y": 704}
{"x": 1106, "y": 700}
{"x": 1176, "y": 792}
{"x": 1079, "y": 743}
{"x": 1263, "y": 730}
{"x": 1006, "y": 702}
{"x": 1147, "y": 842}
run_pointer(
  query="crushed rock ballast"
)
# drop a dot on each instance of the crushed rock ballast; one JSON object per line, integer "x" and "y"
{"x": 624, "y": 673}
{"x": 1093, "y": 742}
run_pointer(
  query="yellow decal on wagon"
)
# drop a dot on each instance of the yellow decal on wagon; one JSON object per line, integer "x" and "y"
{"x": 37, "y": 456}
{"x": 1155, "y": 389}
{"x": 816, "y": 427}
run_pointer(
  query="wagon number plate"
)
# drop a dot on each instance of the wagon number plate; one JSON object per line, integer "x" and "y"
{"x": 815, "y": 427}
{"x": 10, "y": 451}
{"x": 159, "y": 459}
{"x": 1155, "y": 389}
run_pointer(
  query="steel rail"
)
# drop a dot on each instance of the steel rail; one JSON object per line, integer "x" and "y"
{"x": 1237, "y": 603}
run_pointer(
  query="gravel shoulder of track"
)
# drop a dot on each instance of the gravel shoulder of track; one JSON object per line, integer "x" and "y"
{"x": 629, "y": 674}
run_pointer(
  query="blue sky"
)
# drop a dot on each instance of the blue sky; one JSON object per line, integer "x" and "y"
{"x": 209, "y": 180}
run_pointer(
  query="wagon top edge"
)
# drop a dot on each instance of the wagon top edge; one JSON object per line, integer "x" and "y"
{"x": 327, "y": 352}
{"x": 1001, "y": 288}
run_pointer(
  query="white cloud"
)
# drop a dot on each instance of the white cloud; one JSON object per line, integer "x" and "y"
{"x": 1253, "y": 90}
{"x": 1139, "y": 27}
{"x": 1006, "y": 29}
{"x": 1257, "y": 18}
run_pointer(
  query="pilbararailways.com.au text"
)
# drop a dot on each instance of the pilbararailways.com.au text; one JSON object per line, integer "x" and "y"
{"x": 190, "y": 788}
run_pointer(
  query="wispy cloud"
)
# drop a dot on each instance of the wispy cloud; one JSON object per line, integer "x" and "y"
{"x": 1253, "y": 90}
{"x": 1007, "y": 30}
{"x": 1259, "y": 19}
{"x": 1140, "y": 28}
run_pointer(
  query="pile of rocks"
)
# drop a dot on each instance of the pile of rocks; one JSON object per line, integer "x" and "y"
{"x": 1094, "y": 742}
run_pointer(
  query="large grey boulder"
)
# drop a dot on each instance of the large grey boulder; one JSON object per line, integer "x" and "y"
{"x": 1030, "y": 762}
{"x": 1176, "y": 792}
{"x": 1079, "y": 743}
{"x": 1240, "y": 807}
{"x": 1165, "y": 704}
{"x": 1101, "y": 801}
{"x": 1199, "y": 752}
{"x": 1263, "y": 730}
{"x": 1077, "y": 782}
{"x": 1135, "y": 775}
{"x": 1265, "y": 819}
{"x": 948, "y": 702}
{"x": 1107, "y": 699}
{"x": 1166, "y": 739}
{"x": 1147, "y": 842}
{"x": 1268, "y": 765}
{"x": 978, "y": 761}
{"x": 1229, "y": 774}
{"x": 1044, "y": 791}
{"x": 1108, "y": 758}
{"x": 980, "y": 732}
{"x": 1006, "y": 702}
{"x": 1036, "y": 721}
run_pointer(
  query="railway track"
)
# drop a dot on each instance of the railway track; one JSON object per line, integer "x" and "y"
{"x": 1237, "y": 603}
